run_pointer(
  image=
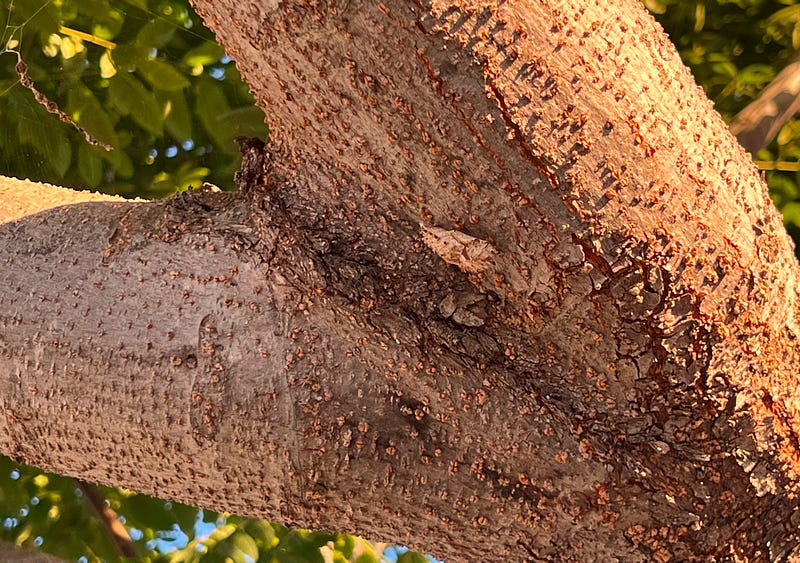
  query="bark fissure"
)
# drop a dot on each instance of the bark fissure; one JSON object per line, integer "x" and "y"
{"x": 675, "y": 347}
{"x": 481, "y": 281}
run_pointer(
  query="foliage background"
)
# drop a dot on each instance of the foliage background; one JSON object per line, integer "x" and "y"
{"x": 145, "y": 77}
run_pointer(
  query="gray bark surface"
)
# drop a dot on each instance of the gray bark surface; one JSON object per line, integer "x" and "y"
{"x": 501, "y": 288}
{"x": 12, "y": 553}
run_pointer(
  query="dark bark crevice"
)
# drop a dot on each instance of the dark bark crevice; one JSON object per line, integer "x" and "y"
{"x": 481, "y": 283}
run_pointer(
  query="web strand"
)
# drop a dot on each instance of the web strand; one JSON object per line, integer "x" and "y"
{"x": 22, "y": 72}
{"x": 27, "y": 82}
{"x": 24, "y": 78}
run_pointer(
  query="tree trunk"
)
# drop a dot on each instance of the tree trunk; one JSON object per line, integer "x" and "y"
{"x": 503, "y": 287}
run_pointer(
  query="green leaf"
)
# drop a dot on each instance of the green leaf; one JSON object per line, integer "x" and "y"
{"x": 130, "y": 97}
{"x": 162, "y": 76}
{"x": 121, "y": 162}
{"x": 263, "y": 533}
{"x": 247, "y": 121}
{"x": 786, "y": 17}
{"x": 165, "y": 183}
{"x": 791, "y": 213}
{"x": 95, "y": 9}
{"x": 288, "y": 557}
{"x": 789, "y": 131}
{"x": 107, "y": 25}
{"x": 42, "y": 19}
{"x": 219, "y": 535}
{"x": 141, "y": 4}
{"x": 345, "y": 545}
{"x": 782, "y": 189}
{"x": 83, "y": 107}
{"x": 210, "y": 105}
{"x": 756, "y": 74}
{"x": 90, "y": 165}
{"x": 245, "y": 545}
{"x": 189, "y": 175}
{"x": 178, "y": 120}
{"x": 726, "y": 68}
{"x": 156, "y": 33}
{"x": 412, "y": 557}
{"x": 204, "y": 54}
{"x": 308, "y": 552}
{"x": 142, "y": 511}
{"x": 52, "y": 143}
{"x": 127, "y": 56}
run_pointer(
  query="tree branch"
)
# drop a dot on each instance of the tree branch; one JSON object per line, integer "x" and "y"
{"x": 114, "y": 530}
{"x": 305, "y": 351}
{"x": 19, "y": 198}
{"x": 757, "y": 124}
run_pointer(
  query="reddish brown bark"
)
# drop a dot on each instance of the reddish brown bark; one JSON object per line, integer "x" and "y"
{"x": 503, "y": 287}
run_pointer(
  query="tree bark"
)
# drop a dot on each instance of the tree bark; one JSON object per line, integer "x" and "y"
{"x": 757, "y": 124}
{"x": 19, "y": 198}
{"x": 11, "y": 552}
{"x": 502, "y": 287}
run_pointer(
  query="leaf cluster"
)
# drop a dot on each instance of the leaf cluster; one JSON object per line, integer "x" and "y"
{"x": 50, "y": 512}
{"x": 142, "y": 76}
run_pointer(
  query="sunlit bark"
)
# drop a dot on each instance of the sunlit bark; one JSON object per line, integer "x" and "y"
{"x": 503, "y": 287}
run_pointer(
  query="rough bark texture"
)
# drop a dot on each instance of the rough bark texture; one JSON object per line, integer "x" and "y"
{"x": 11, "y": 552}
{"x": 502, "y": 288}
{"x": 19, "y": 198}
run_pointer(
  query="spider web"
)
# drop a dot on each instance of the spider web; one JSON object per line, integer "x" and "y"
{"x": 21, "y": 68}
{"x": 62, "y": 123}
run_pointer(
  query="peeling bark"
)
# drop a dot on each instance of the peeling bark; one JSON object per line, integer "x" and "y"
{"x": 502, "y": 274}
